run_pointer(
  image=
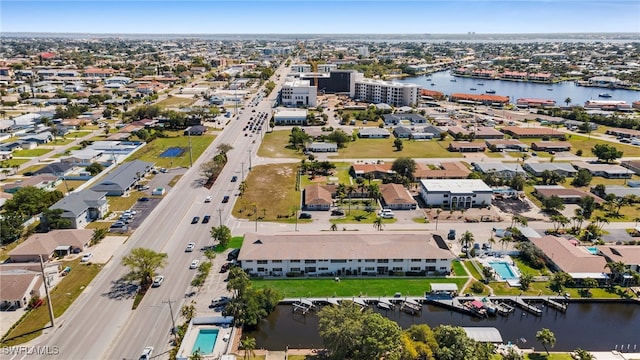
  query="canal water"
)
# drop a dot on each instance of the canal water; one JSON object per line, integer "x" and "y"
{"x": 592, "y": 326}
{"x": 442, "y": 81}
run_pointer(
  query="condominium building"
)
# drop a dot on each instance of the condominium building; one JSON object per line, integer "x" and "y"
{"x": 378, "y": 91}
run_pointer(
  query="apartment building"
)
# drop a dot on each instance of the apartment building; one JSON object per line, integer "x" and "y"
{"x": 378, "y": 91}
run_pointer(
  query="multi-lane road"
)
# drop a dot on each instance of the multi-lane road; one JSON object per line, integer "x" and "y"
{"x": 101, "y": 324}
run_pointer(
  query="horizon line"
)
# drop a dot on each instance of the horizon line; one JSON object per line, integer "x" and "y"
{"x": 302, "y": 33}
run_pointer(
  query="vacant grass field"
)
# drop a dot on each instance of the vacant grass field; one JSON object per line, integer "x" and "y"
{"x": 62, "y": 296}
{"x": 31, "y": 152}
{"x": 61, "y": 141}
{"x": 341, "y": 172}
{"x": 383, "y": 148}
{"x": 274, "y": 144}
{"x": 151, "y": 152}
{"x": 31, "y": 168}
{"x": 235, "y": 243}
{"x": 176, "y": 102}
{"x": 13, "y": 162}
{"x": 327, "y": 287}
{"x": 271, "y": 191}
{"x": 458, "y": 268}
{"x": 122, "y": 203}
{"x": 70, "y": 185}
{"x": 67, "y": 152}
{"x": 357, "y": 216}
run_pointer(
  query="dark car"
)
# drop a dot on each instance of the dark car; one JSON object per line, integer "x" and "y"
{"x": 225, "y": 267}
{"x": 225, "y": 199}
{"x": 195, "y": 220}
{"x": 337, "y": 212}
{"x": 305, "y": 216}
{"x": 205, "y": 219}
{"x": 452, "y": 234}
{"x": 233, "y": 255}
{"x": 234, "y": 178}
{"x": 144, "y": 199}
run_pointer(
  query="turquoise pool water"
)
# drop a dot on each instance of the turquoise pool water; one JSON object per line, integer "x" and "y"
{"x": 205, "y": 341}
{"x": 504, "y": 270}
{"x": 593, "y": 250}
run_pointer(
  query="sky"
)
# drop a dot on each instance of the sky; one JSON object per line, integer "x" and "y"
{"x": 320, "y": 16}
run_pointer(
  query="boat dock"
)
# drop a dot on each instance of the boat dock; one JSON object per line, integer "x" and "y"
{"x": 410, "y": 306}
{"x": 303, "y": 306}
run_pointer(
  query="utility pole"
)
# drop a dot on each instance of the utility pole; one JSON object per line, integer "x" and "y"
{"x": 173, "y": 321}
{"x": 190, "y": 153}
{"x": 242, "y": 171}
{"x": 46, "y": 290}
{"x": 220, "y": 216}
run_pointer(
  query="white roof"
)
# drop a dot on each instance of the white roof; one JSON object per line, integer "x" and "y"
{"x": 294, "y": 113}
{"x": 455, "y": 185}
{"x": 484, "y": 334}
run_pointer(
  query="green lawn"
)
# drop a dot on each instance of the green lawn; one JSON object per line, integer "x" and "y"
{"x": 358, "y": 216}
{"x": 122, "y": 203}
{"x": 458, "y": 268}
{"x": 175, "y": 101}
{"x": 383, "y": 148}
{"x": 70, "y": 185}
{"x": 584, "y": 143}
{"x": 79, "y": 134}
{"x": 328, "y": 287}
{"x": 13, "y": 162}
{"x": 341, "y": 172}
{"x": 152, "y": 150}
{"x": 274, "y": 144}
{"x": 67, "y": 152}
{"x": 235, "y": 243}
{"x": 271, "y": 188}
{"x": 62, "y": 296}
{"x": 31, "y": 152}
{"x": 32, "y": 168}
{"x": 61, "y": 141}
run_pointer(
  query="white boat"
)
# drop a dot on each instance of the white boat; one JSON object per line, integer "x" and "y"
{"x": 604, "y": 95}
{"x": 383, "y": 306}
{"x": 490, "y": 91}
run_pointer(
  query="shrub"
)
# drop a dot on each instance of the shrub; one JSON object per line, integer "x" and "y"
{"x": 477, "y": 287}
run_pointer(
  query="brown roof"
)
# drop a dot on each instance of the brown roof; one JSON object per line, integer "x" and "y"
{"x": 551, "y": 144}
{"x": 317, "y": 194}
{"x": 563, "y": 192}
{"x": 481, "y": 97}
{"x": 45, "y": 243}
{"x": 628, "y": 254}
{"x": 541, "y": 131}
{"x": 368, "y": 168}
{"x": 449, "y": 170}
{"x": 396, "y": 194}
{"x": 341, "y": 246}
{"x": 568, "y": 257}
{"x": 505, "y": 142}
{"x": 13, "y": 286}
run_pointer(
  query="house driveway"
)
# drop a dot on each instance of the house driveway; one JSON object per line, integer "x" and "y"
{"x": 106, "y": 248}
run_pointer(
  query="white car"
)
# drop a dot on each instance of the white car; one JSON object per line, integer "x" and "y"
{"x": 207, "y": 199}
{"x": 190, "y": 247}
{"x": 86, "y": 257}
{"x": 157, "y": 281}
{"x": 146, "y": 353}
{"x": 194, "y": 264}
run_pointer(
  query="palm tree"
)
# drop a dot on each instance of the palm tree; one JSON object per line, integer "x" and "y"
{"x": 467, "y": 240}
{"x": 248, "y": 344}
{"x": 334, "y": 227}
{"x": 378, "y": 224}
{"x": 618, "y": 269}
{"x": 504, "y": 241}
{"x": 197, "y": 355}
{"x": 491, "y": 241}
{"x": 567, "y": 101}
{"x": 188, "y": 311}
{"x": 546, "y": 337}
{"x": 350, "y": 190}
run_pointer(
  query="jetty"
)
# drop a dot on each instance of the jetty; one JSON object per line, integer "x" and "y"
{"x": 303, "y": 306}
{"x": 528, "y": 307}
{"x": 410, "y": 306}
{"x": 556, "y": 305}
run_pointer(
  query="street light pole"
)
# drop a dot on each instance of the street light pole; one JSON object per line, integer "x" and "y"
{"x": 46, "y": 290}
{"x": 220, "y": 216}
{"x": 173, "y": 321}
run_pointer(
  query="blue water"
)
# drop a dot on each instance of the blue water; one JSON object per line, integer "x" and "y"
{"x": 593, "y": 250}
{"x": 205, "y": 341}
{"x": 516, "y": 90}
{"x": 503, "y": 269}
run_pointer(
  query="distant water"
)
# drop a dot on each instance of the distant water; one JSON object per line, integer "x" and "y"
{"x": 592, "y": 326}
{"x": 559, "y": 92}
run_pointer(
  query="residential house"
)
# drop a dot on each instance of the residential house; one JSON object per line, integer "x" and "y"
{"x": 41, "y": 138}
{"x": 82, "y": 207}
{"x": 633, "y": 165}
{"x": 621, "y": 191}
{"x": 498, "y": 145}
{"x": 373, "y": 133}
{"x": 322, "y": 147}
{"x": 123, "y": 178}
{"x": 563, "y": 169}
{"x": 18, "y": 286}
{"x": 375, "y": 170}
{"x": 466, "y": 146}
{"x": 46, "y": 182}
{"x": 339, "y": 253}
{"x": 397, "y": 197}
{"x": 567, "y": 195}
{"x": 409, "y": 118}
{"x": 502, "y": 170}
{"x": 532, "y": 132}
{"x": 317, "y": 197}
{"x": 562, "y": 255}
{"x": 195, "y": 130}
{"x": 446, "y": 170}
{"x": 58, "y": 169}
{"x": 58, "y": 242}
{"x": 82, "y": 157}
{"x": 629, "y": 255}
{"x": 551, "y": 146}
{"x": 402, "y": 132}
{"x": 609, "y": 171}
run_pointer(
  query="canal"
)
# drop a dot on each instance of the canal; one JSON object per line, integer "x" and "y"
{"x": 443, "y": 81}
{"x": 592, "y": 326}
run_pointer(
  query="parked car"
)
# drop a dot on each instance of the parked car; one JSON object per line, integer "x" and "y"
{"x": 86, "y": 257}
{"x": 305, "y": 215}
{"x": 190, "y": 247}
{"x": 234, "y": 178}
{"x": 233, "y": 255}
{"x": 157, "y": 281}
{"x": 146, "y": 353}
{"x": 223, "y": 300}
{"x": 195, "y": 220}
{"x": 452, "y": 234}
{"x": 194, "y": 264}
{"x": 144, "y": 199}
{"x": 205, "y": 219}
{"x": 387, "y": 215}
{"x": 225, "y": 267}
{"x": 225, "y": 199}
{"x": 207, "y": 199}
{"x": 337, "y": 212}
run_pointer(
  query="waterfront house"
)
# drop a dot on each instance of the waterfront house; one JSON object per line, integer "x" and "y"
{"x": 629, "y": 255}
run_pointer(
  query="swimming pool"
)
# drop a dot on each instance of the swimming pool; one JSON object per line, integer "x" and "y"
{"x": 504, "y": 270}
{"x": 205, "y": 341}
{"x": 593, "y": 250}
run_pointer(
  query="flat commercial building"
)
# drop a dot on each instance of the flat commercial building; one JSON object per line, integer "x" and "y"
{"x": 297, "y": 93}
{"x": 290, "y": 117}
{"x": 378, "y": 91}
{"x": 338, "y": 253}
{"x": 455, "y": 193}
